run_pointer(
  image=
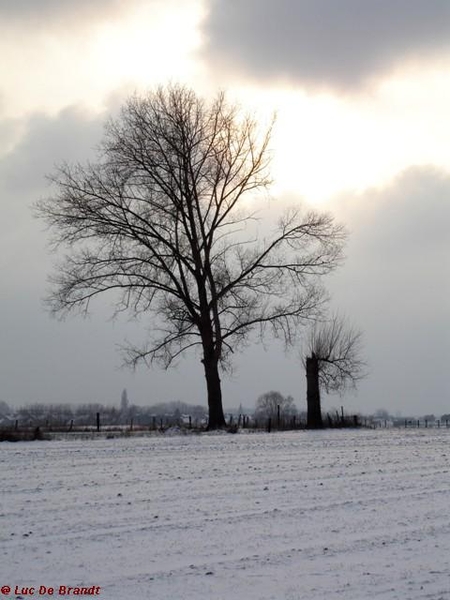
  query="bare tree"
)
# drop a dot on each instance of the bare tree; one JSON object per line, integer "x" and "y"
{"x": 271, "y": 404}
{"x": 159, "y": 221}
{"x": 5, "y": 409}
{"x": 332, "y": 362}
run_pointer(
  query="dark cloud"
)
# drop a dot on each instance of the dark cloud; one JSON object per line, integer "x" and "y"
{"x": 404, "y": 222}
{"x": 395, "y": 285}
{"x": 324, "y": 42}
{"x": 9, "y": 132}
{"x": 48, "y": 141}
{"x": 42, "y": 359}
{"x": 45, "y": 142}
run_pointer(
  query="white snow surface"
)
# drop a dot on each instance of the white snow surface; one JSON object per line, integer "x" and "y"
{"x": 344, "y": 515}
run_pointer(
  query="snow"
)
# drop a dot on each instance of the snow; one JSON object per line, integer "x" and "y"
{"x": 345, "y": 515}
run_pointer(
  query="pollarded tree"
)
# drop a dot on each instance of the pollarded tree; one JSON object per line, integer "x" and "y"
{"x": 159, "y": 220}
{"x": 333, "y": 362}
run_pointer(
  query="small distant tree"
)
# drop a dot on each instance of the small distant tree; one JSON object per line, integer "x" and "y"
{"x": 85, "y": 414}
{"x": 429, "y": 418}
{"x": 5, "y": 410}
{"x": 381, "y": 413}
{"x": 272, "y": 403}
{"x": 332, "y": 362}
{"x": 60, "y": 414}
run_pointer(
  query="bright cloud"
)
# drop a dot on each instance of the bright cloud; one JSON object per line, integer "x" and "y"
{"x": 84, "y": 58}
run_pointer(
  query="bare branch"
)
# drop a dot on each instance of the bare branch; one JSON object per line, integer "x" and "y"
{"x": 337, "y": 347}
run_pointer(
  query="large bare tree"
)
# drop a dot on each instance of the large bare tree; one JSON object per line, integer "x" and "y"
{"x": 159, "y": 220}
{"x": 333, "y": 362}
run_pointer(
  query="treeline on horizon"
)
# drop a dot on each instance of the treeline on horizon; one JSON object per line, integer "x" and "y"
{"x": 85, "y": 414}
{"x": 59, "y": 414}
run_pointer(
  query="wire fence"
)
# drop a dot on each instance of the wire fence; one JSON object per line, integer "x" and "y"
{"x": 46, "y": 429}
{"x": 410, "y": 423}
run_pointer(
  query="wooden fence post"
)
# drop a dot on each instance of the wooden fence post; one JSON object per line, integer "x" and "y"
{"x": 98, "y": 421}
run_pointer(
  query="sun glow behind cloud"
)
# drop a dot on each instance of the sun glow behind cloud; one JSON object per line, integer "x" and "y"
{"x": 53, "y": 68}
{"x": 322, "y": 143}
{"x": 151, "y": 46}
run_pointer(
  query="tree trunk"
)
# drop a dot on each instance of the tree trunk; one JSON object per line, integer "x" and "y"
{"x": 216, "y": 417}
{"x": 314, "y": 419}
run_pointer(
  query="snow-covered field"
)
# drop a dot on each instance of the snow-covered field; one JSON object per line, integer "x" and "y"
{"x": 345, "y": 515}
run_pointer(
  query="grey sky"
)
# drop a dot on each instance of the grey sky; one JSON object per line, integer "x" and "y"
{"x": 395, "y": 283}
{"x": 324, "y": 42}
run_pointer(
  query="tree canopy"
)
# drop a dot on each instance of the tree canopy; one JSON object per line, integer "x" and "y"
{"x": 159, "y": 221}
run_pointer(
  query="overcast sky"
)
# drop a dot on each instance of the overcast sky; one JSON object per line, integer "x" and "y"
{"x": 361, "y": 90}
